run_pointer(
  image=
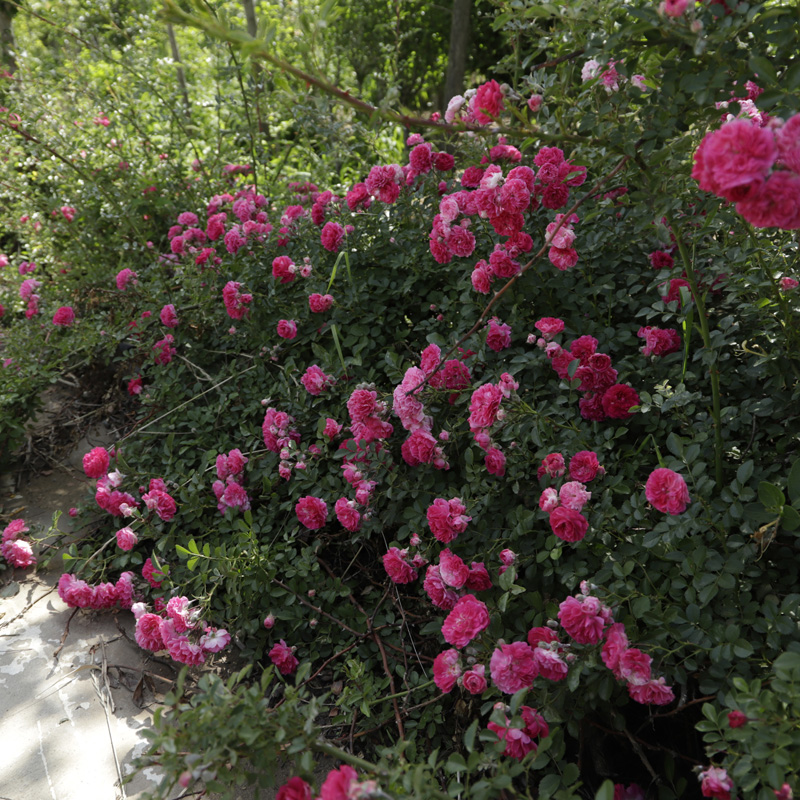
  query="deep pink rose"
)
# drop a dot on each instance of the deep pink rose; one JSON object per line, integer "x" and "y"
{"x": 395, "y": 562}
{"x": 283, "y": 658}
{"x": 487, "y": 102}
{"x": 295, "y": 789}
{"x": 513, "y": 667}
{"x": 64, "y": 317}
{"x": 332, "y": 236}
{"x": 734, "y": 161}
{"x": 666, "y": 491}
{"x": 474, "y": 680}
{"x": 584, "y": 467}
{"x": 95, "y": 462}
{"x": 446, "y": 519}
{"x": 318, "y": 303}
{"x": 568, "y": 524}
{"x": 446, "y": 670}
{"x": 287, "y": 329}
{"x": 312, "y": 512}
{"x": 168, "y": 316}
{"x": 584, "y": 620}
{"x": 618, "y": 400}
{"x": 466, "y": 621}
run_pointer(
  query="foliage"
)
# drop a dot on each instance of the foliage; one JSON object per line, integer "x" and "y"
{"x": 708, "y": 594}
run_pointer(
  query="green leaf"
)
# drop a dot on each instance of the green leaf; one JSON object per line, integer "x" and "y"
{"x": 675, "y": 445}
{"x": 456, "y": 763}
{"x": 549, "y": 784}
{"x": 793, "y": 483}
{"x": 770, "y": 496}
{"x": 763, "y": 68}
{"x": 745, "y": 472}
{"x": 469, "y": 735}
{"x": 606, "y": 791}
{"x": 790, "y": 519}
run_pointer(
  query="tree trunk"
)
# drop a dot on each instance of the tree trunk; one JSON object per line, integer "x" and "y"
{"x": 258, "y": 75}
{"x": 173, "y": 44}
{"x": 7, "y": 60}
{"x": 457, "y": 57}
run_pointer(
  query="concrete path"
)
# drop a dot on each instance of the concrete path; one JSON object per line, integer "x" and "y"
{"x": 72, "y": 716}
{"x": 71, "y": 723}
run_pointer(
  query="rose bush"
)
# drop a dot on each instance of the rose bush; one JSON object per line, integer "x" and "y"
{"x": 528, "y": 505}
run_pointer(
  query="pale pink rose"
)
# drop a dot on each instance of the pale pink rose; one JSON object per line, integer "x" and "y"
{"x": 715, "y": 783}
{"x": 573, "y": 495}
{"x": 550, "y": 664}
{"x": 548, "y": 501}
{"x": 126, "y": 538}
{"x": 654, "y": 692}
{"x": 634, "y": 666}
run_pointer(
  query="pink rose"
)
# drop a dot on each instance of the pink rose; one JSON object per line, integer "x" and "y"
{"x": 318, "y": 303}
{"x": 446, "y": 519}
{"x": 454, "y": 572}
{"x": 573, "y": 495}
{"x": 312, "y": 512}
{"x": 495, "y": 462}
{"x": 95, "y": 462}
{"x": 168, "y": 316}
{"x": 287, "y": 329}
{"x": 315, "y": 380}
{"x": 499, "y": 336}
{"x": 395, "y": 562}
{"x": 513, "y": 667}
{"x": 64, "y": 317}
{"x": 126, "y": 539}
{"x": 584, "y": 620}
{"x": 568, "y": 524}
{"x": 347, "y": 514}
{"x": 466, "y": 621}
{"x": 552, "y": 465}
{"x": 283, "y": 658}
{"x": 446, "y": 670}
{"x": 332, "y": 428}
{"x": 474, "y": 680}
{"x": 666, "y": 491}
{"x": 295, "y": 789}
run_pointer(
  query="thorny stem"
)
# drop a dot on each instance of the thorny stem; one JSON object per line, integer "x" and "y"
{"x": 713, "y": 367}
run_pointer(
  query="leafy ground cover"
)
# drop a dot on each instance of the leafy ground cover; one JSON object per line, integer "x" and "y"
{"x": 485, "y": 461}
